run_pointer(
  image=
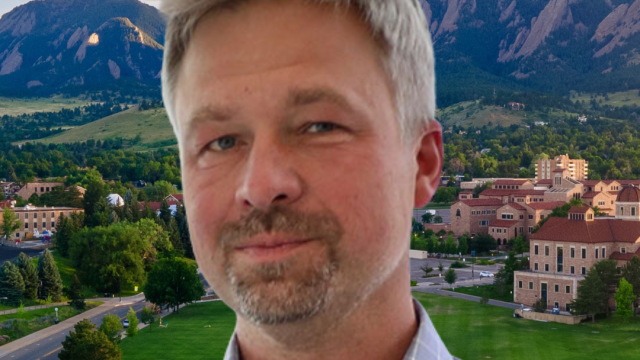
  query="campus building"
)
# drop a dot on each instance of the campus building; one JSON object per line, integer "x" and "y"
{"x": 38, "y": 219}
{"x": 564, "y": 249}
{"x": 578, "y": 168}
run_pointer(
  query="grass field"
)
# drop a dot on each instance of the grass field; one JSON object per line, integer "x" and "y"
{"x": 471, "y": 332}
{"x": 619, "y": 99}
{"x": 14, "y": 107}
{"x": 186, "y": 337}
{"x": 468, "y": 113}
{"x": 153, "y": 126}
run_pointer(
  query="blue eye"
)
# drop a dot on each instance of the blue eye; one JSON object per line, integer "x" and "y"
{"x": 322, "y": 127}
{"x": 223, "y": 144}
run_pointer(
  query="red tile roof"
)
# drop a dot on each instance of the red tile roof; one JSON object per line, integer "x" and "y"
{"x": 616, "y": 255}
{"x": 629, "y": 194}
{"x": 502, "y": 192}
{"x": 590, "y": 182}
{"x": 546, "y": 205}
{"x": 154, "y": 205}
{"x": 510, "y": 182}
{"x": 590, "y": 194}
{"x": 629, "y": 182}
{"x": 579, "y": 209}
{"x": 179, "y": 197}
{"x": 516, "y": 206}
{"x": 545, "y": 182}
{"x": 482, "y": 202}
{"x": 600, "y": 230}
{"x": 609, "y": 182}
{"x": 503, "y": 223}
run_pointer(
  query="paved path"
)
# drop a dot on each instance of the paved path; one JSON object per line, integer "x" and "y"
{"x": 46, "y": 343}
{"x": 439, "y": 290}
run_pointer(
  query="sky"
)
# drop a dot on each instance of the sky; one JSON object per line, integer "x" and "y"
{"x": 8, "y": 5}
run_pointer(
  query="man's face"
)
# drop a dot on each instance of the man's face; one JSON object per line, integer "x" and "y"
{"x": 298, "y": 186}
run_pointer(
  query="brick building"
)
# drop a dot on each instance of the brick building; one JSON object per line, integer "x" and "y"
{"x": 473, "y": 216}
{"x": 564, "y": 250}
{"x": 513, "y": 184}
{"x": 517, "y": 196}
{"x": 37, "y": 188}
{"x": 38, "y": 218}
{"x": 9, "y": 188}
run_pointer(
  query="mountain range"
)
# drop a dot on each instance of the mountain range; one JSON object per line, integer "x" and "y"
{"x": 545, "y": 45}
{"x": 54, "y": 44}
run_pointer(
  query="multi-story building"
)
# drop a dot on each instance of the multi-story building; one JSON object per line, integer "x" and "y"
{"x": 564, "y": 249}
{"x": 473, "y": 216}
{"x": 9, "y": 188}
{"x": 513, "y": 184}
{"x": 517, "y": 196}
{"x": 514, "y": 219}
{"x": 38, "y": 219}
{"x": 38, "y": 188}
{"x": 578, "y": 168}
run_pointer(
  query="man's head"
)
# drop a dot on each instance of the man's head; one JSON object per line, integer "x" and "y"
{"x": 307, "y": 136}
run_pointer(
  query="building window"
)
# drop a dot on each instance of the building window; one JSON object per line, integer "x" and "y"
{"x": 530, "y": 229}
{"x": 560, "y": 259}
{"x": 567, "y": 289}
{"x": 53, "y": 225}
{"x": 573, "y": 270}
{"x": 44, "y": 225}
{"x": 596, "y": 249}
{"x": 535, "y": 249}
{"x": 26, "y": 225}
{"x": 53, "y": 214}
{"x": 604, "y": 255}
{"x": 484, "y": 223}
{"x": 556, "y": 305}
{"x": 546, "y": 267}
{"x": 584, "y": 253}
{"x": 573, "y": 252}
{"x": 458, "y": 212}
{"x": 530, "y": 217}
{"x": 622, "y": 211}
{"x": 520, "y": 284}
{"x": 26, "y": 216}
{"x": 530, "y": 285}
{"x": 61, "y": 213}
{"x": 633, "y": 211}
{"x": 17, "y": 235}
{"x": 584, "y": 270}
{"x": 521, "y": 217}
{"x": 556, "y": 287}
{"x": 535, "y": 266}
{"x": 567, "y": 307}
{"x": 623, "y": 250}
{"x": 35, "y": 216}
{"x": 546, "y": 250}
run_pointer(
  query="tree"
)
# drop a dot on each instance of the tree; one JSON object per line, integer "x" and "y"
{"x": 450, "y": 245}
{"x": 610, "y": 276}
{"x": 172, "y": 282}
{"x": 185, "y": 236}
{"x": 624, "y": 299}
{"x": 483, "y": 242}
{"x": 11, "y": 284}
{"x": 29, "y": 275}
{"x": 147, "y": 317}
{"x": 520, "y": 245}
{"x": 111, "y": 327}
{"x": 86, "y": 343}
{"x": 63, "y": 235}
{"x": 440, "y": 267}
{"x": 174, "y": 236}
{"x": 631, "y": 272}
{"x": 437, "y": 219}
{"x": 427, "y": 217}
{"x": 450, "y": 276}
{"x": 95, "y": 192}
{"x": 592, "y": 296}
{"x": 9, "y": 223}
{"x": 463, "y": 246}
{"x": 165, "y": 213}
{"x": 75, "y": 294}
{"x": 132, "y": 329}
{"x": 49, "y": 277}
{"x": 34, "y": 200}
{"x": 426, "y": 270}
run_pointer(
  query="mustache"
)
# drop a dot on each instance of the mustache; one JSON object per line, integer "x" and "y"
{"x": 281, "y": 219}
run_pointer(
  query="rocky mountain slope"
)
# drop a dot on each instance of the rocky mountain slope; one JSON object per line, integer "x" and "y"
{"x": 550, "y": 45}
{"x": 58, "y": 43}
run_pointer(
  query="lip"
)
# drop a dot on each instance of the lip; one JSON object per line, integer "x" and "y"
{"x": 270, "y": 247}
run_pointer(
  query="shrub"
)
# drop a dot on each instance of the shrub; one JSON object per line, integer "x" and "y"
{"x": 540, "y": 306}
{"x": 414, "y": 283}
{"x": 458, "y": 265}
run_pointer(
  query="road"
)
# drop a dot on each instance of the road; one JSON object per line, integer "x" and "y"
{"x": 463, "y": 274}
{"x": 8, "y": 252}
{"x": 49, "y": 347}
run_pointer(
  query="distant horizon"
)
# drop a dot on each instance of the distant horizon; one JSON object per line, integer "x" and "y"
{"x": 8, "y": 5}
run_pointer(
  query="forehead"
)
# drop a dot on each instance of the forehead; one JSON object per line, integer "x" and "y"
{"x": 265, "y": 37}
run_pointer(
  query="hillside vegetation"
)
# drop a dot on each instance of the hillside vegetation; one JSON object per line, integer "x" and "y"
{"x": 618, "y": 99}
{"x": 152, "y": 126}
{"x": 16, "y": 107}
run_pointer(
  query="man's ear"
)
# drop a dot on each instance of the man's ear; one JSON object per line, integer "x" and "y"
{"x": 429, "y": 156}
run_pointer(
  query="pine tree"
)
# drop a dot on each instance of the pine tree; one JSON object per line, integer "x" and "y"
{"x": 49, "y": 276}
{"x": 75, "y": 294}
{"x": 29, "y": 276}
{"x": 631, "y": 272}
{"x": 165, "y": 213}
{"x": 592, "y": 296}
{"x": 11, "y": 283}
{"x": 87, "y": 343}
{"x": 63, "y": 235}
{"x": 174, "y": 236}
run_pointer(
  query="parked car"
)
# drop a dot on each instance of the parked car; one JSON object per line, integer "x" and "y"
{"x": 485, "y": 274}
{"x": 125, "y": 323}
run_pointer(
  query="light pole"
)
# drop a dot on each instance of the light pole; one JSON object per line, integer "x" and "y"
{"x": 56, "y": 309}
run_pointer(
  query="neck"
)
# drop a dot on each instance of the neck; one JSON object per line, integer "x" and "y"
{"x": 381, "y": 327}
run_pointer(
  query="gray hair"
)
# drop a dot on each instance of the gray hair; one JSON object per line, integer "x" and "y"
{"x": 401, "y": 25}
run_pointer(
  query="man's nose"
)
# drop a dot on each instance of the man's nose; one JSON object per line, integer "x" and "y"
{"x": 269, "y": 178}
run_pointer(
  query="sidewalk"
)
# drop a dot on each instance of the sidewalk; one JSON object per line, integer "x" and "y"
{"x": 66, "y": 324}
{"x": 36, "y": 307}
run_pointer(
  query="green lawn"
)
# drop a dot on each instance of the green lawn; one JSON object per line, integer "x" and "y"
{"x": 471, "y": 331}
{"x": 15, "y": 107}
{"x": 479, "y": 290}
{"x": 17, "y": 325}
{"x": 186, "y": 337}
